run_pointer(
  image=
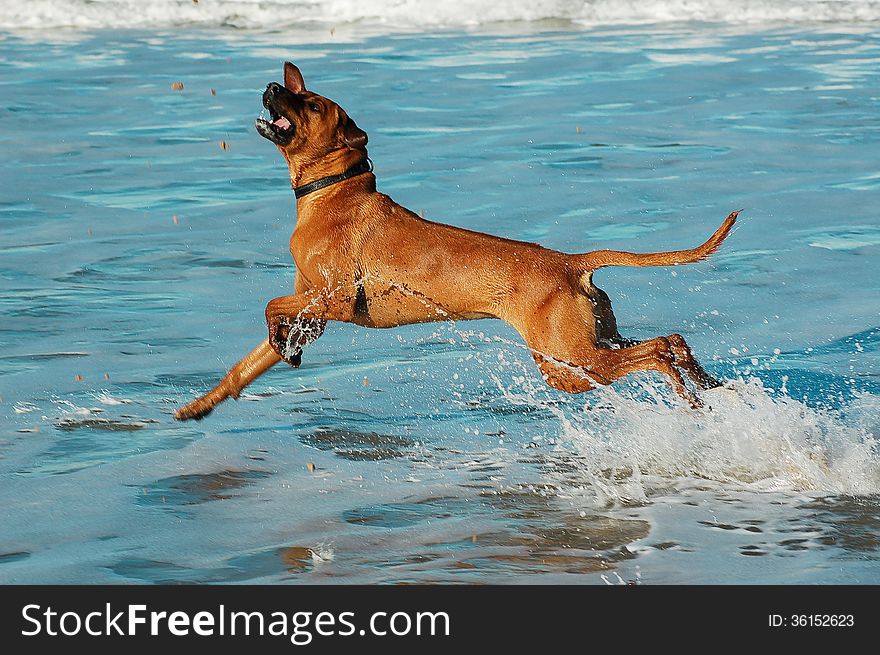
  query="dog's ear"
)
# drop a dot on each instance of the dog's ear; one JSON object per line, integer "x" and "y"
{"x": 353, "y": 136}
{"x": 293, "y": 79}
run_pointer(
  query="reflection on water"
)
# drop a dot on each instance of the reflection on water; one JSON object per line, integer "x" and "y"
{"x": 193, "y": 489}
{"x": 360, "y": 446}
{"x": 851, "y": 524}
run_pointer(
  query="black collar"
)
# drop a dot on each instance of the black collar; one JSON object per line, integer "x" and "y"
{"x": 365, "y": 165}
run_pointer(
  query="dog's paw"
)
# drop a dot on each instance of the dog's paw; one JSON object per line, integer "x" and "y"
{"x": 196, "y": 410}
{"x": 293, "y": 356}
{"x": 279, "y": 330}
{"x": 284, "y": 342}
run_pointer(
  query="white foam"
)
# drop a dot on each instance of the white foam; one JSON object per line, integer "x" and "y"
{"x": 746, "y": 438}
{"x": 70, "y": 409}
{"x": 50, "y": 14}
{"x": 105, "y": 398}
{"x": 614, "y": 446}
{"x": 322, "y": 553}
{"x": 24, "y": 407}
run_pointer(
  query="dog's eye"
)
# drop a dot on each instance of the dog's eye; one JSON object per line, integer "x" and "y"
{"x": 314, "y": 106}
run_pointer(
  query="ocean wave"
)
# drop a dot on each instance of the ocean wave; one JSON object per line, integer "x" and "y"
{"x": 416, "y": 14}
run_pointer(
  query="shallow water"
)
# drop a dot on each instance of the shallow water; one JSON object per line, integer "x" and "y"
{"x": 137, "y": 257}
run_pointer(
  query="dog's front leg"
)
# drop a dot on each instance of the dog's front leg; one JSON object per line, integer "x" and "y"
{"x": 254, "y": 364}
{"x": 288, "y": 336}
{"x": 298, "y": 320}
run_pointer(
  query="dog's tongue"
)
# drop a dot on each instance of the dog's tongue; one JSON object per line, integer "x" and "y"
{"x": 283, "y": 123}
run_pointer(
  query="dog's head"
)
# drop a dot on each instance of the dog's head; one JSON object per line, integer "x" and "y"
{"x": 305, "y": 125}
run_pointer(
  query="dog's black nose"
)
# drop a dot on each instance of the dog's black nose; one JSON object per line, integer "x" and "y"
{"x": 273, "y": 88}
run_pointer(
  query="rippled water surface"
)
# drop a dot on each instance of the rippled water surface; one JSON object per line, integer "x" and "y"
{"x": 137, "y": 254}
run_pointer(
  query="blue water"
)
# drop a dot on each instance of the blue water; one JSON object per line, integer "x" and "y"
{"x": 137, "y": 255}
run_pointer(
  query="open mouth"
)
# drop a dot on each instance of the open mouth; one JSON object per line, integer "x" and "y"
{"x": 278, "y": 128}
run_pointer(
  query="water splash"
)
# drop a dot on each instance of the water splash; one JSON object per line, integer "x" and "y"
{"x": 105, "y": 398}
{"x": 621, "y": 448}
{"x": 624, "y": 443}
{"x": 322, "y": 553}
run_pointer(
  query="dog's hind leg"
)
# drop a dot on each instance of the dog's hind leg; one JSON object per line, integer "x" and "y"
{"x": 561, "y": 330}
{"x": 563, "y": 376}
{"x": 606, "y": 365}
{"x": 656, "y": 354}
{"x": 685, "y": 359}
{"x": 607, "y": 334}
{"x": 555, "y": 331}
{"x": 254, "y": 364}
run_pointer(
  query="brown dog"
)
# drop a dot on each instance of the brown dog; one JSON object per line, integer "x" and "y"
{"x": 362, "y": 258}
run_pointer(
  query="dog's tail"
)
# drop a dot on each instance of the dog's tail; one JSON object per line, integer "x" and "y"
{"x": 600, "y": 258}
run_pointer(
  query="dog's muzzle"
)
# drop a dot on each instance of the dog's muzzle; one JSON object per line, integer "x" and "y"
{"x": 279, "y": 129}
